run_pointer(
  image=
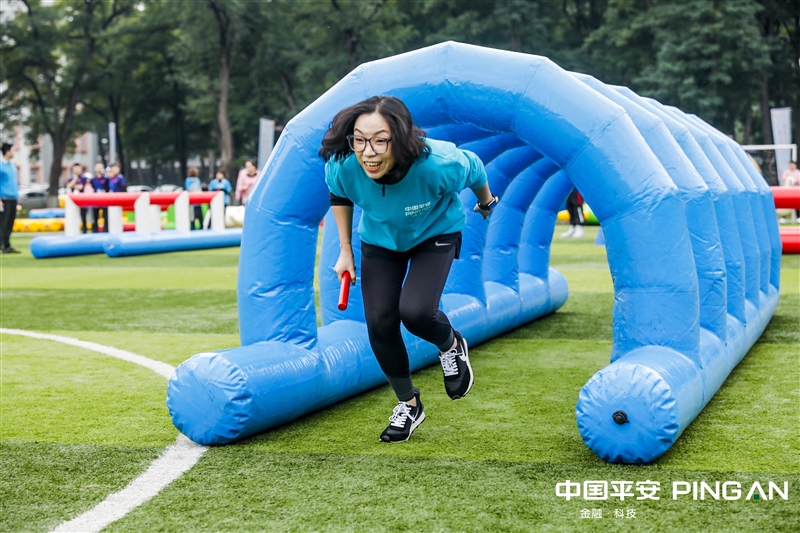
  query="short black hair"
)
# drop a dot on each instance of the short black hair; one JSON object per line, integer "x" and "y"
{"x": 408, "y": 141}
{"x": 7, "y": 147}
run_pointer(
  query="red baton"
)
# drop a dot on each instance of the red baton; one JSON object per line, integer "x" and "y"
{"x": 344, "y": 292}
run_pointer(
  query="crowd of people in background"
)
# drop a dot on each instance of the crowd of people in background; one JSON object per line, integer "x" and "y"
{"x": 111, "y": 179}
{"x": 103, "y": 180}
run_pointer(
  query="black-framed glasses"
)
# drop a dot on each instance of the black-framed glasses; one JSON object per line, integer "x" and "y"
{"x": 359, "y": 144}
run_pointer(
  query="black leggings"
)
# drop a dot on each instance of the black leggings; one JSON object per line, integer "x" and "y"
{"x": 7, "y": 218}
{"x": 574, "y": 209}
{"x": 198, "y": 216}
{"x": 99, "y": 212}
{"x": 388, "y": 301}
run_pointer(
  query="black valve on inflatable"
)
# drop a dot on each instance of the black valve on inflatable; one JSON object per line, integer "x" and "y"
{"x": 620, "y": 417}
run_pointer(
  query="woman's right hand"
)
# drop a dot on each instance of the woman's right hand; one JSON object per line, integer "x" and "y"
{"x": 346, "y": 263}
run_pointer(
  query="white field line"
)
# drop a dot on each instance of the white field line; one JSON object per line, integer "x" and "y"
{"x": 176, "y": 459}
{"x": 162, "y": 369}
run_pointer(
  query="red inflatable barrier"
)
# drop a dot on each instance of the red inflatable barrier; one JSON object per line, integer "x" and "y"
{"x": 786, "y": 197}
{"x": 790, "y": 238}
{"x": 126, "y": 199}
{"x": 123, "y": 199}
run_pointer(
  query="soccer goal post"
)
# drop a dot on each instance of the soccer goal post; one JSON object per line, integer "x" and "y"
{"x": 772, "y": 159}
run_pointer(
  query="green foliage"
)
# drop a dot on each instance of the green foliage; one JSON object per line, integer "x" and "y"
{"x": 703, "y": 56}
{"x": 157, "y": 67}
{"x": 710, "y": 58}
{"x": 48, "y": 55}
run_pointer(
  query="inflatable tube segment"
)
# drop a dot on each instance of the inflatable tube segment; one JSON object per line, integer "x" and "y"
{"x": 715, "y": 358}
{"x": 539, "y": 133}
{"x": 740, "y": 160}
{"x": 61, "y": 246}
{"x": 755, "y": 244}
{"x": 122, "y": 245}
{"x": 724, "y": 211}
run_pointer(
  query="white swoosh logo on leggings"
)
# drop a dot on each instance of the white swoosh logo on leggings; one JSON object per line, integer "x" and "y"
{"x": 437, "y": 243}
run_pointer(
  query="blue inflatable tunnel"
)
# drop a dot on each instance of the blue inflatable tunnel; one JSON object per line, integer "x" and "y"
{"x": 690, "y": 248}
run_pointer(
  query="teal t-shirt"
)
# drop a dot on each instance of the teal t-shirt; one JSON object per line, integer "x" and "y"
{"x": 9, "y": 188}
{"x": 424, "y": 204}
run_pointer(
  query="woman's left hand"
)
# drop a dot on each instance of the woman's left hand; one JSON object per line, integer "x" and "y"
{"x": 486, "y": 212}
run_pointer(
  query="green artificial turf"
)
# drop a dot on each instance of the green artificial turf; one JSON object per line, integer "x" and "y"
{"x": 247, "y": 489}
{"x": 54, "y": 392}
{"x": 150, "y": 310}
{"x": 44, "y": 484}
{"x": 77, "y": 425}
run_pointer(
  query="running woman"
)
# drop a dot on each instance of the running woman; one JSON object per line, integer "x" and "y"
{"x": 408, "y": 189}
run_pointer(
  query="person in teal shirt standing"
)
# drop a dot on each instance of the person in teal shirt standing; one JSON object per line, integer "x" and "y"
{"x": 408, "y": 188}
{"x": 193, "y": 184}
{"x": 9, "y": 194}
{"x": 221, "y": 183}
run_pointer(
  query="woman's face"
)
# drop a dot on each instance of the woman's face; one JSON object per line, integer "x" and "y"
{"x": 99, "y": 169}
{"x": 251, "y": 168}
{"x": 374, "y": 127}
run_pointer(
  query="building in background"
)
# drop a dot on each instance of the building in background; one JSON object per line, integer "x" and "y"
{"x": 33, "y": 160}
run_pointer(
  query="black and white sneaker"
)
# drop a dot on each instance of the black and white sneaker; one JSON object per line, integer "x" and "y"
{"x": 458, "y": 377}
{"x": 404, "y": 420}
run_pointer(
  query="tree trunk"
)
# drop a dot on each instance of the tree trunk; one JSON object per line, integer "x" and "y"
{"x": 227, "y": 47}
{"x": 180, "y": 140}
{"x": 796, "y": 68}
{"x": 59, "y": 147}
{"x": 223, "y": 121}
{"x": 516, "y": 40}
{"x": 287, "y": 91}
{"x": 748, "y": 123}
{"x": 101, "y": 150}
{"x": 116, "y": 105}
{"x": 766, "y": 121}
{"x": 212, "y": 167}
{"x": 180, "y": 122}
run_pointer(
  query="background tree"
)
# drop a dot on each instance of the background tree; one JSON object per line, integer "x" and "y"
{"x": 47, "y": 60}
{"x": 188, "y": 79}
{"x": 779, "y": 26}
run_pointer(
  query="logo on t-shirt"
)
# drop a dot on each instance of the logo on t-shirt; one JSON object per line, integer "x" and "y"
{"x": 414, "y": 210}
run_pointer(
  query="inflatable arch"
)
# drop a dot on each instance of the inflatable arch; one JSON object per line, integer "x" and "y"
{"x": 690, "y": 244}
